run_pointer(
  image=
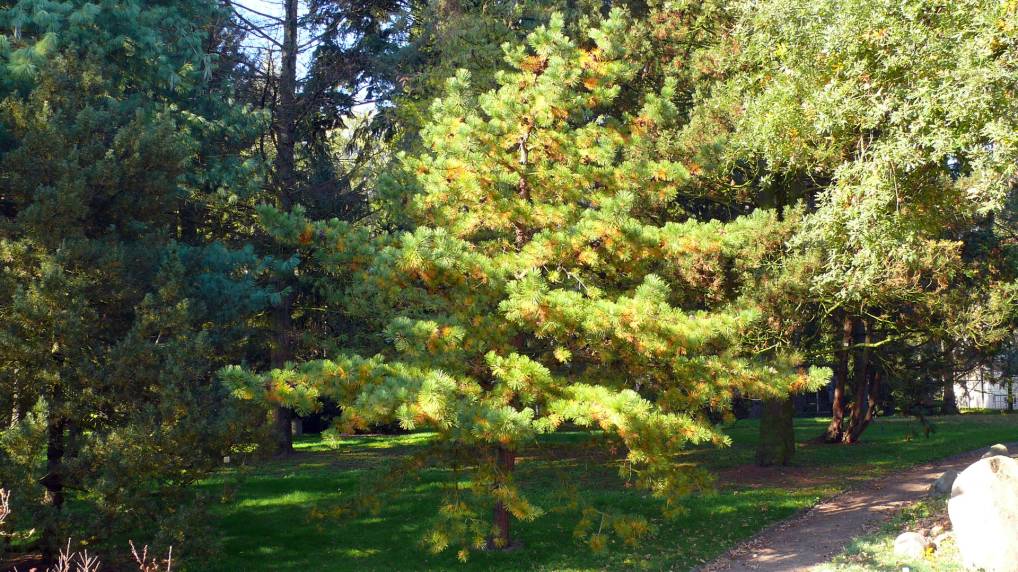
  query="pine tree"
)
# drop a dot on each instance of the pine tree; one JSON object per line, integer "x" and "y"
{"x": 106, "y": 287}
{"x": 539, "y": 286}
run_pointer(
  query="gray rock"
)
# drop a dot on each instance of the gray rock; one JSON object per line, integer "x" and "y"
{"x": 942, "y": 486}
{"x": 910, "y": 545}
{"x": 995, "y": 450}
{"x": 984, "y": 514}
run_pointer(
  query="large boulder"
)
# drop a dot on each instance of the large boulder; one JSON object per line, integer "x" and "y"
{"x": 984, "y": 514}
{"x": 944, "y": 483}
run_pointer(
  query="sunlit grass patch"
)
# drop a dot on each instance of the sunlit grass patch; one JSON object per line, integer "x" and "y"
{"x": 287, "y": 507}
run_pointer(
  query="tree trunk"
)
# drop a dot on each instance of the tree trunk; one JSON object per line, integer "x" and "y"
{"x": 950, "y": 405}
{"x": 860, "y": 381}
{"x": 873, "y": 390}
{"x": 505, "y": 458}
{"x": 282, "y": 351}
{"x": 54, "y": 480}
{"x": 776, "y": 445}
{"x": 834, "y": 431}
{"x": 286, "y": 113}
{"x": 501, "y": 538}
{"x": 777, "y": 434}
{"x": 286, "y": 183}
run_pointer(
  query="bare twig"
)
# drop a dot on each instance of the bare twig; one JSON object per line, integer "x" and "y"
{"x": 5, "y": 505}
{"x": 153, "y": 565}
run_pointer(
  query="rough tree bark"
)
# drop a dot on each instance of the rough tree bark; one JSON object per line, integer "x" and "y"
{"x": 860, "y": 423}
{"x": 835, "y": 430}
{"x": 53, "y": 481}
{"x": 286, "y": 183}
{"x": 860, "y": 380}
{"x": 777, "y": 433}
{"x": 501, "y": 537}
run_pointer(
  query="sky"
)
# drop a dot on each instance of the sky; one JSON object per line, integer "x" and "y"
{"x": 275, "y": 8}
{"x": 272, "y": 8}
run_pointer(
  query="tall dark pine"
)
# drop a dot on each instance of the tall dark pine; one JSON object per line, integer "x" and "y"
{"x": 285, "y": 180}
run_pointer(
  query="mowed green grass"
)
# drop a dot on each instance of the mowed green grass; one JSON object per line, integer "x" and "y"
{"x": 276, "y": 515}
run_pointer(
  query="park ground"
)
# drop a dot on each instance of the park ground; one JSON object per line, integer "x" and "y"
{"x": 290, "y": 514}
{"x": 875, "y": 550}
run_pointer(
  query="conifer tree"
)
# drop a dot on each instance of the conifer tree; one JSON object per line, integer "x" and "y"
{"x": 106, "y": 287}
{"x": 540, "y": 285}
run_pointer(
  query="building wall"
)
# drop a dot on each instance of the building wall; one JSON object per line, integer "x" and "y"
{"x": 975, "y": 392}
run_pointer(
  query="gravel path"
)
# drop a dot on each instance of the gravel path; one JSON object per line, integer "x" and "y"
{"x": 816, "y": 536}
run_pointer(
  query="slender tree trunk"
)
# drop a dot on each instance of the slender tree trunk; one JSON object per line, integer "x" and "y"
{"x": 282, "y": 351}
{"x": 501, "y": 537}
{"x": 505, "y": 457}
{"x": 53, "y": 482}
{"x": 872, "y": 403}
{"x": 286, "y": 184}
{"x": 286, "y": 113}
{"x": 860, "y": 381}
{"x": 950, "y": 405}
{"x": 834, "y": 431}
{"x": 776, "y": 444}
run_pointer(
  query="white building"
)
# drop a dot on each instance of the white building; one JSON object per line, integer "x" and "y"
{"x": 980, "y": 390}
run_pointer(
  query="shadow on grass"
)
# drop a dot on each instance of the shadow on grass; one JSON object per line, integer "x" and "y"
{"x": 269, "y": 522}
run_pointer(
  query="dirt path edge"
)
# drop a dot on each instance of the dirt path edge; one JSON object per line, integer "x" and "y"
{"x": 816, "y": 535}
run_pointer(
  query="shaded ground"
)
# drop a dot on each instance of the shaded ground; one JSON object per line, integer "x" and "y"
{"x": 751, "y": 476}
{"x": 815, "y": 537}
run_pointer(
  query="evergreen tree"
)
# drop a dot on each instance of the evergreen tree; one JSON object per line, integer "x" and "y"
{"x": 539, "y": 285}
{"x": 107, "y": 286}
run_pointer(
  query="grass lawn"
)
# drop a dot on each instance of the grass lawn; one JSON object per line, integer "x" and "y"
{"x": 268, "y": 524}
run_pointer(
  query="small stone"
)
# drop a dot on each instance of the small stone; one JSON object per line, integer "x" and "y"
{"x": 942, "y": 486}
{"x": 909, "y": 545}
{"x": 936, "y": 530}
